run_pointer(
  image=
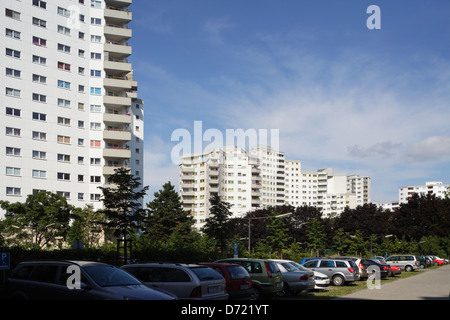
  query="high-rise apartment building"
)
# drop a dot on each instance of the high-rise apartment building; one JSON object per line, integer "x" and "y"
{"x": 69, "y": 112}
{"x": 260, "y": 178}
{"x": 436, "y": 188}
{"x": 228, "y": 172}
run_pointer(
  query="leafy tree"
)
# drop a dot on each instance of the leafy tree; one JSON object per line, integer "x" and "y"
{"x": 219, "y": 225}
{"x": 341, "y": 241}
{"x": 87, "y": 226}
{"x": 357, "y": 243}
{"x": 42, "y": 221}
{"x": 123, "y": 203}
{"x": 277, "y": 234}
{"x": 166, "y": 216}
{"x": 315, "y": 235}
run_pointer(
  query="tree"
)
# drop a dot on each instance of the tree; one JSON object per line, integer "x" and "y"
{"x": 122, "y": 202}
{"x": 87, "y": 226}
{"x": 341, "y": 241}
{"x": 166, "y": 216}
{"x": 277, "y": 234}
{"x": 219, "y": 225}
{"x": 42, "y": 221}
{"x": 315, "y": 235}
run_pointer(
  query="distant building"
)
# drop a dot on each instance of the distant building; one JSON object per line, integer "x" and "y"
{"x": 431, "y": 187}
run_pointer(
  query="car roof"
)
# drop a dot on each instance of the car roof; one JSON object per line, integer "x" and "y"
{"x": 219, "y": 264}
{"x": 80, "y": 263}
{"x": 163, "y": 264}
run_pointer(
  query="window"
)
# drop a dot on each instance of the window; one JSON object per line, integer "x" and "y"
{"x": 96, "y": 21}
{"x": 63, "y": 30}
{"x": 96, "y": 91}
{"x": 63, "y": 139}
{"x": 96, "y": 56}
{"x": 95, "y": 161}
{"x": 39, "y": 116}
{"x": 11, "y": 151}
{"x": 63, "y": 66}
{"x": 10, "y": 171}
{"x": 96, "y": 73}
{"x": 63, "y": 12}
{"x": 96, "y": 179}
{"x": 39, "y": 3}
{"x": 39, "y": 79}
{"x": 13, "y": 92}
{"x": 64, "y": 121}
{"x": 39, "y": 174}
{"x": 80, "y": 124}
{"x": 95, "y": 143}
{"x": 13, "y": 73}
{"x": 39, "y": 136}
{"x": 11, "y": 191}
{"x": 96, "y": 108}
{"x": 96, "y": 126}
{"x": 12, "y": 33}
{"x": 80, "y": 196}
{"x": 39, "y": 22}
{"x": 95, "y": 197}
{"x": 39, "y": 97}
{"x": 63, "y": 176}
{"x": 12, "y": 14}
{"x": 41, "y": 155}
{"x": 12, "y": 112}
{"x": 12, "y": 53}
{"x": 63, "y": 103}
{"x": 96, "y": 38}
{"x": 64, "y": 194}
{"x": 63, "y": 48}
{"x": 39, "y": 42}
{"x": 63, "y": 157}
{"x": 96, "y": 4}
{"x": 15, "y": 132}
{"x": 63, "y": 84}
{"x": 39, "y": 60}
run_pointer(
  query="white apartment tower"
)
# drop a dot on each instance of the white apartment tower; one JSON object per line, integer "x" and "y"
{"x": 229, "y": 172}
{"x": 69, "y": 113}
{"x": 437, "y": 188}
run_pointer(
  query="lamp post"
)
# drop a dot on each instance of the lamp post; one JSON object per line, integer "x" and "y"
{"x": 255, "y": 218}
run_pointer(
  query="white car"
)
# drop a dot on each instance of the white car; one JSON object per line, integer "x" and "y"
{"x": 322, "y": 281}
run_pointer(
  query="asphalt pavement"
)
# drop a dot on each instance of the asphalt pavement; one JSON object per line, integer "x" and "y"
{"x": 429, "y": 284}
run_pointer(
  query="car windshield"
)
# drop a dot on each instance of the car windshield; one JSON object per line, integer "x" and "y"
{"x": 298, "y": 266}
{"x": 109, "y": 276}
{"x": 237, "y": 272}
{"x": 206, "y": 273}
{"x": 289, "y": 267}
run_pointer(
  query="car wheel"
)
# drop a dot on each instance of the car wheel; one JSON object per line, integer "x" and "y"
{"x": 408, "y": 268}
{"x": 258, "y": 294}
{"x": 285, "y": 291}
{"x": 337, "y": 280}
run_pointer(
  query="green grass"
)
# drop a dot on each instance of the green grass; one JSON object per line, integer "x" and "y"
{"x": 334, "y": 291}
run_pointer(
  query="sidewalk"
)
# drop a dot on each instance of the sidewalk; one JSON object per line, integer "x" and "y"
{"x": 430, "y": 284}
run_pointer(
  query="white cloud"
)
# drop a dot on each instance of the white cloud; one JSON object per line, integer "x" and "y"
{"x": 433, "y": 149}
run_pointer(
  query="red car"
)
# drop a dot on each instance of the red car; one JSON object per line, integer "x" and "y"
{"x": 238, "y": 282}
{"x": 394, "y": 270}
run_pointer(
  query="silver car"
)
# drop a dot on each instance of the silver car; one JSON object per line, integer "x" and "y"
{"x": 77, "y": 280}
{"x": 186, "y": 281}
{"x": 340, "y": 271}
{"x": 408, "y": 262}
{"x": 295, "y": 278}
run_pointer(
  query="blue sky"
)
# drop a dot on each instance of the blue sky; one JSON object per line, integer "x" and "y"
{"x": 367, "y": 102}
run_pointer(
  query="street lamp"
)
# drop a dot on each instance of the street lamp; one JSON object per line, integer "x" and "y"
{"x": 254, "y": 218}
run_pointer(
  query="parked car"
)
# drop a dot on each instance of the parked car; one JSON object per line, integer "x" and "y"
{"x": 322, "y": 281}
{"x": 302, "y": 262}
{"x": 265, "y": 275}
{"x": 394, "y": 270}
{"x": 357, "y": 261}
{"x": 238, "y": 281}
{"x": 407, "y": 262}
{"x": 295, "y": 279}
{"x": 340, "y": 271}
{"x": 383, "y": 268}
{"x": 422, "y": 261}
{"x": 439, "y": 261}
{"x": 186, "y": 281}
{"x": 52, "y": 280}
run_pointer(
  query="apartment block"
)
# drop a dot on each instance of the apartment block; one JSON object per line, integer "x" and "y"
{"x": 437, "y": 188}
{"x": 229, "y": 172}
{"x": 69, "y": 111}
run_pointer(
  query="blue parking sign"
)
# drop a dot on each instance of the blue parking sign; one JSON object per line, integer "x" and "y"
{"x": 4, "y": 260}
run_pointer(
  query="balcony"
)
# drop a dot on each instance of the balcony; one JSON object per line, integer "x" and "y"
{"x": 110, "y": 170}
{"x": 117, "y": 101}
{"x": 117, "y": 67}
{"x": 115, "y": 33}
{"x": 112, "y": 83}
{"x": 120, "y": 135}
{"x": 115, "y": 15}
{"x": 116, "y": 153}
{"x": 118, "y": 3}
{"x": 118, "y": 50}
{"x": 117, "y": 118}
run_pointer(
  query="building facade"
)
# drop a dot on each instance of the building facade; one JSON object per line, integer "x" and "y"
{"x": 437, "y": 188}
{"x": 69, "y": 112}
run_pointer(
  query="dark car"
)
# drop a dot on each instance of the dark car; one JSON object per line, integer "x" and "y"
{"x": 374, "y": 264}
{"x": 238, "y": 281}
{"x": 77, "y": 280}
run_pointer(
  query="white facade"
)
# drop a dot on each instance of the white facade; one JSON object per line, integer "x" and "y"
{"x": 431, "y": 187}
{"x": 228, "y": 172}
{"x": 68, "y": 114}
